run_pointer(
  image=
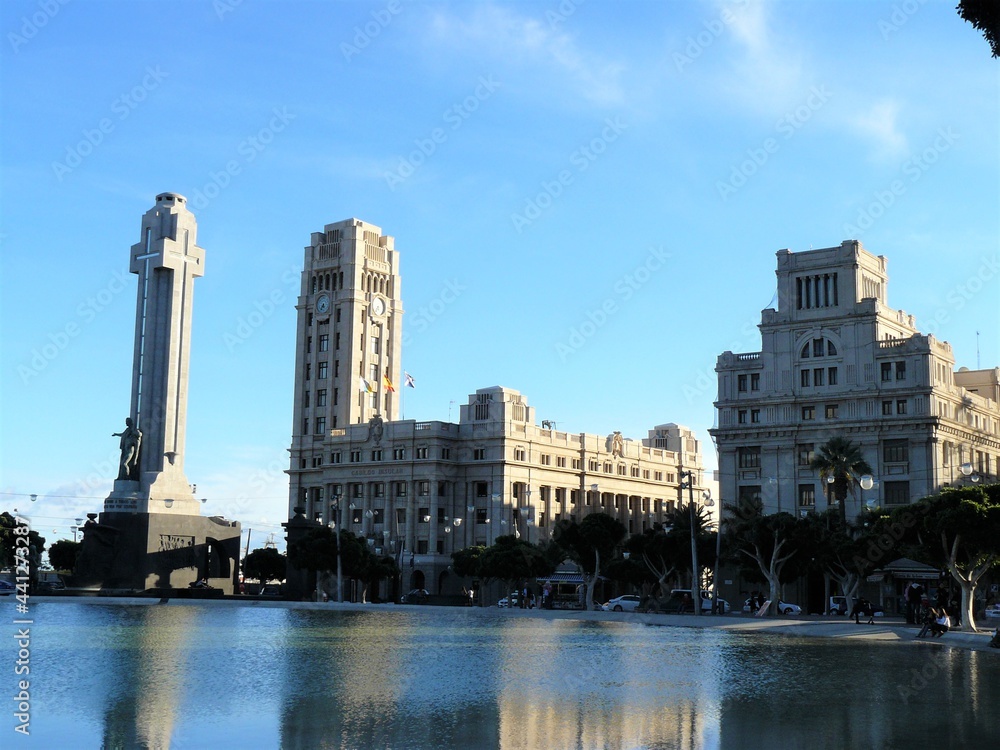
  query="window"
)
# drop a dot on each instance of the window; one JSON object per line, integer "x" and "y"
{"x": 309, "y": 344}
{"x": 749, "y": 494}
{"x": 817, "y": 347}
{"x": 481, "y": 515}
{"x": 320, "y": 425}
{"x": 901, "y": 371}
{"x": 335, "y": 457}
{"x": 441, "y": 515}
{"x": 305, "y": 425}
{"x": 818, "y": 376}
{"x": 886, "y": 408}
{"x": 442, "y": 489}
{"x": 561, "y": 462}
{"x": 804, "y": 378}
{"x": 574, "y": 496}
{"x": 897, "y": 493}
{"x": 895, "y": 451}
{"x": 749, "y": 457}
{"x": 423, "y": 515}
{"x": 321, "y": 370}
{"x": 901, "y": 406}
{"x": 324, "y": 342}
{"x": 320, "y": 398}
{"x": 421, "y": 452}
{"x": 378, "y": 516}
{"x": 305, "y": 400}
{"x": 806, "y": 453}
{"x": 741, "y": 381}
{"x": 308, "y": 371}
{"x": 336, "y": 341}
{"x": 592, "y": 465}
{"x": 519, "y": 454}
{"x": 831, "y": 376}
{"x": 755, "y": 416}
{"x": 576, "y": 463}
{"x": 622, "y": 470}
{"x": 886, "y": 372}
{"x": 479, "y": 454}
{"x": 398, "y": 454}
{"x": 805, "y": 352}
{"x": 377, "y": 454}
{"x": 400, "y": 516}
{"x": 645, "y": 473}
{"x": 755, "y": 381}
{"x": 400, "y": 489}
{"x": 378, "y": 490}
{"x": 356, "y": 515}
{"x": 808, "y": 413}
{"x": 608, "y": 468}
{"x": 741, "y": 416}
{"x": 357, "y": 489}
{"x": 658, "y": 476}
{"x": 423, "y": 488}
{"x": 375, "y": 345}
{"x": 336, "y": 368}
{"x": 421, "y": 546}
{"x": 355, "y": 457}
{"x": 807, "y": 496}
{"x": 481, "y": 489}
{"x": 831, "y": 411}
{"x": 546, "y": 460}
{"x": 831, "y": 350}
{"x": 446, "y": 453}
{"x": 635, "y": 471}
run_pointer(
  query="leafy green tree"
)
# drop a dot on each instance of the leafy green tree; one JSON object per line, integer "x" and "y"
{"x": 510, "y": 560}
{"x": 842, "y": 460}
{"x": 265, "y": 564}
{"x": 465, "y": 561}
{"x": 957, "y": 530}
{"x": 840, "y": 553}
{"x": 984, "y": 15}
{"x": 769, "y": 542}
{"x": 370, "y": 568}
{"x": 62, "y": 555}
{"x": 591, "y": 544}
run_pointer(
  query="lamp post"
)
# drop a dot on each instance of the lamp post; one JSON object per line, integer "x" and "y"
{"x": 335, "y": 504}
{"x": 695, "y": 583}
{"x": 709, "y": 502}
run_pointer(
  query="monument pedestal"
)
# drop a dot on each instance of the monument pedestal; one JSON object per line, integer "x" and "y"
{"x": 126, "y": 552}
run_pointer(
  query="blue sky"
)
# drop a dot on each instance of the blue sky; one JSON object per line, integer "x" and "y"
{"x": 586, "y": 198}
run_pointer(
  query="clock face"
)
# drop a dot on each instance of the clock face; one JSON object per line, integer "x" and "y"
{"x": 378, "y": 306}
{"x": 323, "y": 305}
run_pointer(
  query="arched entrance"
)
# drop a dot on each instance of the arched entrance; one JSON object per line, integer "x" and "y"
{"x": 417, "y": 579}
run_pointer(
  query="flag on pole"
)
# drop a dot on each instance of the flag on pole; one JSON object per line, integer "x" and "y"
{"x": 365, "y": 388}
{"x": 387, "y": 382}
{"x": 409, "y": 379}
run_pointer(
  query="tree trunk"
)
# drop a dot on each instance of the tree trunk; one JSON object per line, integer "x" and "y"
{"x": 826, "y": 592}
{"x": 589, "y": 602}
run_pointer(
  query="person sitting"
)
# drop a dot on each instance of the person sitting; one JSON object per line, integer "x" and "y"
{"x": 941, "y": 625}
{"x": 930, "y": 615}
{"x": 995, "y": 643}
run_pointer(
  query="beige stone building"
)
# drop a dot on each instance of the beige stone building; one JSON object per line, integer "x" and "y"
{"x": 835, "y": 359}
{"x": 421, "y": 490}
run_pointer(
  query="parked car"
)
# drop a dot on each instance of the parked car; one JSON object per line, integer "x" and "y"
{"x": 513, "y": 599}
{"x": 415, "y": 596}
{"x": 627, "y": 603}
{"x": 838, "y": 605}
{"x": 784, "y": 608}
{"x": 679, "y": 602}
{"x": 993, "y": 610}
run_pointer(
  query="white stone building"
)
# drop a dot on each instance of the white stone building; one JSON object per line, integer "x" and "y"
{"x": 836, "y": 360}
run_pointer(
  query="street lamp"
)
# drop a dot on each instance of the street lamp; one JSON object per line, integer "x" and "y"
{"x": 74, "y": 530}
{"x": 968, "y": 471}
{"x": 695, "y": 583}
{"x": 335, "y": 525}
{"x": 709, "y": 503}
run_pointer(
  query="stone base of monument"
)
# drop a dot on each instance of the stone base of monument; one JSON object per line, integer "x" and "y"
{"x": 130, "y": 553}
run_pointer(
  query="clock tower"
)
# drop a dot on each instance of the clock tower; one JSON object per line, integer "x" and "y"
{"x": 348, "y": 338}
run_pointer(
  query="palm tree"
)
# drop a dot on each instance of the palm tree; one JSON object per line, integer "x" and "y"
{"x": 841, "y": 459}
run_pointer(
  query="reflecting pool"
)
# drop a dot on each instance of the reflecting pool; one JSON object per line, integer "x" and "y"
{"x": 197, "y": 676}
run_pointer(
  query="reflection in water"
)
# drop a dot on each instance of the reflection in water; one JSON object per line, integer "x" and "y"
{"x": 192, "y": 676}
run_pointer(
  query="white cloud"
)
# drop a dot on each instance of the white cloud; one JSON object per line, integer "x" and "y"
{"x": 880, "y": 124}
{"x": 512, "y": 39}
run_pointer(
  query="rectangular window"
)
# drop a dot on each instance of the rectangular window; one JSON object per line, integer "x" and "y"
{"x": 305, "y": 400}
{"x": 356, "y": 515}
{"x": 355, "y": 457}
{"x": 398, "y": 454}
{"x": 886, "y": 408}
{"x": 324, "y": 342}
{"x": 749, "y": 493}
{"x": 321, "y": 398}
{"x": 519, "y": 454}
{"x": 896, "y": 451}
{"x": 807, "y": 496}
{"x": 335, "y": 457}
{"x": 479, "y": 454}
{"x": 400, "y": 489}
{"x": 574, "y": 496}
{"x": 442, "y": 489}
{"x": 336, "y": 341}
{"x": 305, "y": 425}
{"x": 375, "y": 345}
{"x": 400, "y": 516}
{"x": 378, "y": 516}
{"x": 755, "y": 416}
{"x": 658, "y": 476}
{"x": 804, "y": 378}
{"x": 424, "y": 488}
{"x": 901, "y": 370}
{"x": 357, "y": 489}
{"x": 379, "y": 489}
{"x": 481, "y": 515}
{"x": 309, "y": 344}
{"x": 441, "y": 515}
{"x": 577, "y": 464}
{"x": 818, "y": 374}
{"x": 592, "y": 465}
{"x": 561, "y": 462}
{"x": 750, "y": 457}
{"x": 741, "y": 416}
{"x": 422, "y": 452}
{"x": 807, "y": 453}
{"x": 321, "y": 370}
{"x": 755, "y": 381}
{"x": 320, "y": 425}
{"x": 897, "y": 493}
{"x": 336, "y": 368}
{"x": 308, "y": 371}
{"x": 831, "y": 411}
{"x": 423, "y": 515}
{"x": 446, "y": 453}
{"x": 481, "y": 490}
{"x": 886, "y": 372}
{"x": 377, "y": 454}
{"x": 741, "y": 381}
{"x": 421, "y": 546}
{"x": 831, "y": 376}
{"x": 901, "y": 406}
{"x": 817, "y": 347}
{"x": 808, "y": 413}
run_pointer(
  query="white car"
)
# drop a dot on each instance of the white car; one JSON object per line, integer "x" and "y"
{"x": 627, "y": 603}
{"x": 784, "y": 608}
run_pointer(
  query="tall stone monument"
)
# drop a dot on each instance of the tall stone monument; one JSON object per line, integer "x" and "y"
{"x": 151, "y": 534}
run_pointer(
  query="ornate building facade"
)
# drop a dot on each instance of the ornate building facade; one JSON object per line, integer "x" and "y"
{"x": 836, "y": 360}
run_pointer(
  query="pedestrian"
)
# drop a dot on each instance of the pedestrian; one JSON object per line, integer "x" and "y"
{"x": 863, "y": 607}
{"x": 930, "y": 617}
{"x": 913, "y": 593}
